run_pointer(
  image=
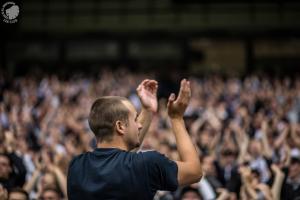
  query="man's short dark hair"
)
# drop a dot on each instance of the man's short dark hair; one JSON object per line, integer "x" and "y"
{"x": 104, "y": 113}
{"x": 19, "y": 190}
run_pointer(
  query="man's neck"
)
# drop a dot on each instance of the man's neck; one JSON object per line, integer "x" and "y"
{"x": 105, "y": 144}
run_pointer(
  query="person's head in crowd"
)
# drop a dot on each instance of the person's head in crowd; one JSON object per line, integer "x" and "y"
{"x": 294, "y": 168}
{"x": 50, "y": 193}
{"x": 204, "y": 136}
{"x": 174, "y": 154}
{"x": 189, "y": 118}
{"x": 255, "y": 176}
{"x": 190, "y": 193}
{"x": 250, "y": 174}
{"x": 255, "y": 148}
{"x": 48, "y": 179}
{"x": 54, "y": 132}
{"x": 257, "y": 119}
{"x": 115, "y": 118}
{"x": 165, "y": 148}
{"x": 228, "y": 156}
{"x": 168, "y": 149}
{"x": 5, "y": 166}
{"x": 18, "y": 194}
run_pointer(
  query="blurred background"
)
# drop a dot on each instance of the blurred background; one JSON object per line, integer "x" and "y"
{"x": 242, "y": 58}
{"x": 197, "y": 36}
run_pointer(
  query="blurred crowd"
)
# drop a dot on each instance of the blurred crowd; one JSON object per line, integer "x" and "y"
{"x": 247, "y": 133}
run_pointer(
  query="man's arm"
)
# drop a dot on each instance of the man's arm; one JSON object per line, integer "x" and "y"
{"x": 189, "y": 166}
{"x": 145, "y": 118}
{"x": 147, "y": 92}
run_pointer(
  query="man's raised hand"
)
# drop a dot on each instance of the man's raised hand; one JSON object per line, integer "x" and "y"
{"x": 189, "y": 166}
{"x": 176, "y": 107}
{"x": 147, "y": 92}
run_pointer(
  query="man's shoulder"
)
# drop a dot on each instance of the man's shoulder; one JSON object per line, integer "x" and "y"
{"x": 150, "y": 153}
{"x": 79, "y": 157}
{"x": 153, "y": 156}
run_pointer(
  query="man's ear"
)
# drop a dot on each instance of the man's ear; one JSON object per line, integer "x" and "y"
{"x": 120, "y": 127}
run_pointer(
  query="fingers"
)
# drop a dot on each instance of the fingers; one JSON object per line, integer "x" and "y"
{"x": 184, "y": 92}
{"x": 140, "y": 87}
{"x": 149, "y": 85}
{"x": 171, "y": 99}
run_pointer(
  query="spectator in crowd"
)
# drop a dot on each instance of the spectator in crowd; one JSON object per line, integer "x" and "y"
{"x": 291, "y": 186}
{"x": 189, "y": 193}
{"x": 50, "y": 194}
{"x": 209, "y": 184}
{"x": 12, "y": 171}
{"x": 18, "y": 194}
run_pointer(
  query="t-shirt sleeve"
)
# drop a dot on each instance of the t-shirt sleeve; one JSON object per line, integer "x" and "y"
{"x": 161, "y": 171}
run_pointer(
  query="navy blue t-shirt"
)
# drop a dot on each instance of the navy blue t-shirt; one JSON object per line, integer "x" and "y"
{"x": 114, "y": 174}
